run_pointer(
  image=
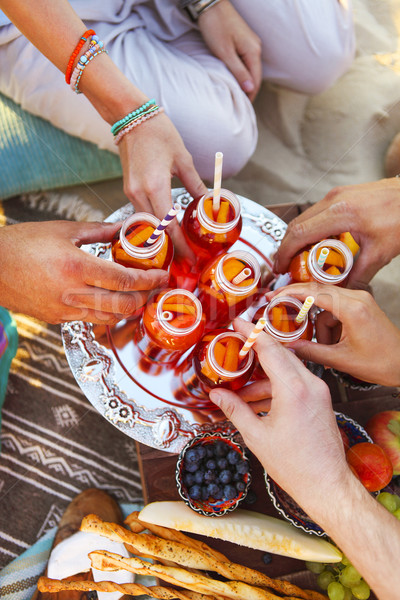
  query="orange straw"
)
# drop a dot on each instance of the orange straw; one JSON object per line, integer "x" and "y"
{"x": 252, "y": 337}
{"x": 217, "y": 180}
{"x": 308, "y": 302}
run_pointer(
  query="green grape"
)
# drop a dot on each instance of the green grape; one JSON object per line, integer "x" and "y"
{"x": 388, "y": 501}
{"x": 349, "y": 576}
{"x": 315, "y": 567}
{"x": 345, "y": 560}
{"x": 335, "y": 591}
{"x": 348, "y": 594}
{"x": 397, "y": 513}
{"x": 397, "y": 500}
{"x": 361, "y": 590}
{"x": 325, "y": 578}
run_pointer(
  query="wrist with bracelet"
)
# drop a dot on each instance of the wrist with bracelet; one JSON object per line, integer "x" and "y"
{"x": 194, "y": 8}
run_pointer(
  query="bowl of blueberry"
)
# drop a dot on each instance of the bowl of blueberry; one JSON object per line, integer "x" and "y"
{"x": 213, "y": 474}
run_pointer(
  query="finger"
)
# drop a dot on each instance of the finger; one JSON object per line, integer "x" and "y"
{"x": 239, "y": 413}
{"x": 242, "y": 74}
{"x": 256, "y": 391}
{"x": 252, "y": 61}
{"x": 364, "y": 269}
{"x": 112, "y": 276}
{"x": 328, "y": 329}
{"x": 302, "y": 233}
{"x": 329, "y": 297}
{"x": 282, "y": 367}
{"x": 90, "y": 233}
{"x": 90, "y": 316}
{"x": 116, "y": 303}
{"x": 329, "y": 355}
{"x": 189, "y": 177}
{"x": 261, "y": 406}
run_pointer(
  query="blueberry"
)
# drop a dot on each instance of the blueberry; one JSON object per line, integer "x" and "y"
{"x": 201, "y": 452}
{"x": 267, "y": 558}
{"x": 204, "y": 492}
{"x": 230, "y": 492}
{"x": 195, "y": 492}
{"x": 222, "y": 463}
{"x": 240, "y": 486}
{"x": 242, "y": 467}
{"x": 221, "y": 449}
{"x": 214, "y": 490}
{"x": 199, "y": 476}
{"x": 237, "y": 476}
{"x": 210, "y": 476}
{"x": 211, "y": 464}
{"x": 225, "y": 476}
{"x": 233, "y": 457}
{"x": 192, "y": 467}
{"x": 209, "y": 451}
{"x": 188, "y": 479}
{"x": 191, "y": 456}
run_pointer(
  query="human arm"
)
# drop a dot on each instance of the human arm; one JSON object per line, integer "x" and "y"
{"x": 300, "y": 447}
{"x": 45, "y": 274}
{"x": 354, "y": 335}
{"x": 151, "y": 153}
{"x": 370, "y": 211}
{"x": 229, "y": 37}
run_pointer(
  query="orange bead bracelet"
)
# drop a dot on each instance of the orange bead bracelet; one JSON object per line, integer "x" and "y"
{"x": 75, "y": 53}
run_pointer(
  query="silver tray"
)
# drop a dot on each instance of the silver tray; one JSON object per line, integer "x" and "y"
{"x": 146, "y": 404}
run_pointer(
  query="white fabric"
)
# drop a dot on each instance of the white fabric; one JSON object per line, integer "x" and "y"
{"x": 307, "y": 45}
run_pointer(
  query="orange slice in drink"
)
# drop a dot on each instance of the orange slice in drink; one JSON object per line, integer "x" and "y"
{"x": 276, "y": 316}
{"x": 219, "y": 353}
{"x": 223, "y": 212}
{"x": 208, "y": 208}
{"x": 182, "y": 321}
{"x": 231, "y": 360}
{"x": 350, "y": 242}
{"x": 232, "y": 267}
{"x": 333, "y": 258}
{"x": 333, "y": 271}
{"x": 141, "y": 235}
{"x": 180, "y": 308}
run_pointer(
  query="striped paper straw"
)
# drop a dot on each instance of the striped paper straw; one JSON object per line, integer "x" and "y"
{"x": 217, "y": 180}
{"x": 166, "y": 221}
{"x": 252, "y": 337}
{"x": 323, "y": 255}
{"x": 167, "y": 315}
{"x": 244, "y": 274}
{"x": 308, "y": 302}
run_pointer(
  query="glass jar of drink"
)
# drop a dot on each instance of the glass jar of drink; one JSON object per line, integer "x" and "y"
{"x": 305, "y": 266}
{"x": 129, "y": 248}
{"x": 281, "y": 324}
{"x": 227, "y": 287}
{"x": 172, "y": 322}
{"x": 210, "y": 232}
{"x": 216, "y": 363}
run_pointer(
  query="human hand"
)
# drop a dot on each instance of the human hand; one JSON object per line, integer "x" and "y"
{"x": 354, "y": 335}
{"x": 46, "y": 275}
{"x": 370, "y": 211}
{"x": 150, "y": 156}
{"x": 298, "y": 442}
{"x": 229, "y": 37}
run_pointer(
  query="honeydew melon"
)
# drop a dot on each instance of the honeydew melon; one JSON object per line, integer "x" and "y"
{"x": 243, "y": 527}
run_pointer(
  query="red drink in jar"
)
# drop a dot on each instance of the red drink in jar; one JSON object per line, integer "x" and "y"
{"x": 305, "y": 266}
{"x": 172, "y": 322}
{"x": 216, "y": 363}
{"x": 227, "y": 287}
{"x": 128, "y": 246}
{"x": 210, "y": 232}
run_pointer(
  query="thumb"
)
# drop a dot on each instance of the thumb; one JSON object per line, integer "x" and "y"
{"x": 191, "y": 179}
{"x": 89, "y": 233}
{"x": 238, "y": 412}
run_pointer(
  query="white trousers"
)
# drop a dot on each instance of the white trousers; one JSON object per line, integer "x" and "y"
{"x": 307, "y": 45}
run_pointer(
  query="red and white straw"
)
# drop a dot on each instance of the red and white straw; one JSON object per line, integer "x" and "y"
{"x": 252, "y": 337}
{"x": 164, "y": 223}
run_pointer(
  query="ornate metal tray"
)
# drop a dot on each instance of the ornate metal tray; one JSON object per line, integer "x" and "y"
{"x": 144, "y": 401}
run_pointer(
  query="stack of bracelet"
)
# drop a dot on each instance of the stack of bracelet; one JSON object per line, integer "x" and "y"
{"x": 133, "y": 119}
{"x": 96, "y": 47}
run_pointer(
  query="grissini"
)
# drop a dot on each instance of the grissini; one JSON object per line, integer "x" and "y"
{"x": 193, "y": 558}
{"x": 245, "y": 528}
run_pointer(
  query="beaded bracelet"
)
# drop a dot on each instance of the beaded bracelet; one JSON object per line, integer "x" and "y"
{"x": 135, "y": 123}
{"x": 75, "y": 53}
{"x": 76, "y": 88}
{"x": 95, "y": 45}
{"x": 151, "y": 109}
{"x": 134, "y": 113}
